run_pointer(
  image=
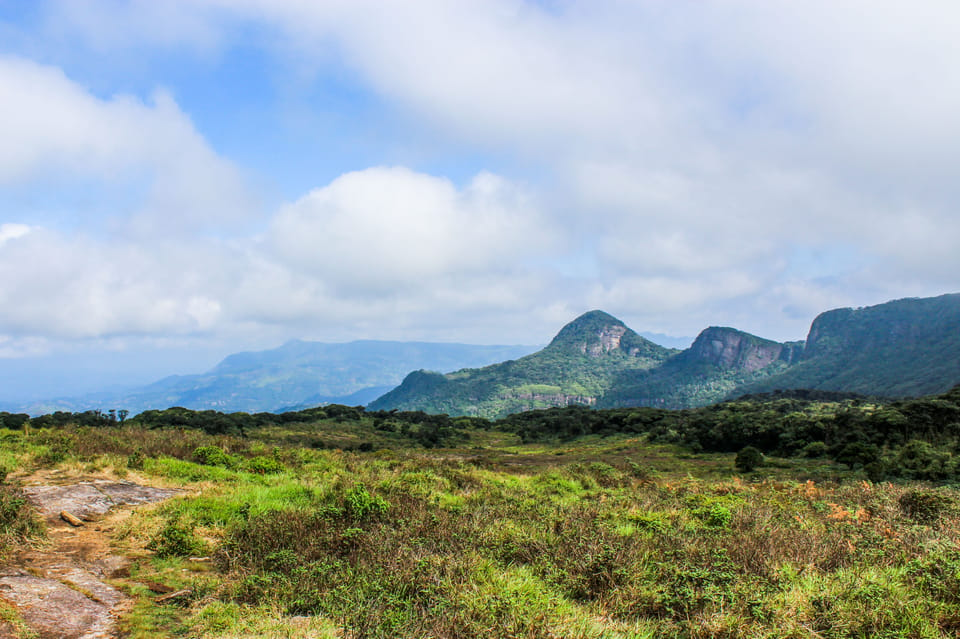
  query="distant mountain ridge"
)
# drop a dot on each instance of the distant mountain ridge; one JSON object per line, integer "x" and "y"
{"x": 905, "y": 347}
{"x": 297, "y": 374}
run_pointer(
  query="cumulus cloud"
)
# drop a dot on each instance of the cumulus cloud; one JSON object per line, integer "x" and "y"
{"x": 689, "y": 159}
{"x": 12, "y": 232}
{"x": 75, "y": 286}
{"x": 695, "y": 140}
{"x": 52, "y": 126}
{"x": 374, "y": 244}
{"x": 386, "y": 229}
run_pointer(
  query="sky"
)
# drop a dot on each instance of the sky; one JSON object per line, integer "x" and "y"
{"x": 184, "y": 179}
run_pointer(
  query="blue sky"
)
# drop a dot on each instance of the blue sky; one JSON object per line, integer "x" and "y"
{"x": 181, "y": 180}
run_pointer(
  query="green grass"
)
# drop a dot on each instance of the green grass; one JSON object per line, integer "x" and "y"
{"x": 597, "y": 537}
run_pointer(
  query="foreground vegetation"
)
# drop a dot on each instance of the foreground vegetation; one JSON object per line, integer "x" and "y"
{"x": 562, "y": 523}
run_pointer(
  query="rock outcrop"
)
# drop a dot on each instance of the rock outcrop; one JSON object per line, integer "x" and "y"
{"x": 730, "y": 349}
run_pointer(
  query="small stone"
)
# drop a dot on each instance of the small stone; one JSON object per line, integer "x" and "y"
{"x": 70, "y": 519}
{"x": 174, "y": 595}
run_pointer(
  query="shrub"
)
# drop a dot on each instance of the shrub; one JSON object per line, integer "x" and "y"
{"x": 858, "y": 453}
{"x": 651, "y": 521}
{"x": 176, "y": 539}
{"x": 213, "y": 456}
{"x": 748, "y": 459}
{"x": 714, "y": 516}
{"x": 814, "y": 450}
{"x": 135, "y": 459}
{"x": 924, "y": 506}
{"x": 264, "y": 466}
{"x": 919, "y": 460}
{"x": 361, "y": 503}
{"x": 17, "y": 521}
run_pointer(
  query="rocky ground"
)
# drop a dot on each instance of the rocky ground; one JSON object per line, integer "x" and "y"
{"x": 63, "y": 590}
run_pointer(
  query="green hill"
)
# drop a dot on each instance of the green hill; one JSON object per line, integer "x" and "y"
{"x": 577, "y": 367}
{"x": 903, "y": 348}
{"x": 906, "y": 347}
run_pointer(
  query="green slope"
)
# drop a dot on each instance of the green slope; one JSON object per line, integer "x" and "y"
{"x": 577, "y": 367}
{"x": 906, "y": 347}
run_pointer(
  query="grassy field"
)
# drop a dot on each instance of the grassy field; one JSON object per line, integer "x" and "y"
{"x": 597, "y": 537}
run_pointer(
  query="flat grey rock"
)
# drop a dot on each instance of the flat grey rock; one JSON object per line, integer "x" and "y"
{"x": 92, "y": 499}
{"x": 53, "y": 609}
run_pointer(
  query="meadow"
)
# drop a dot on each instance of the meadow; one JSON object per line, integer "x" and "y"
{"x": 353, "y": 528}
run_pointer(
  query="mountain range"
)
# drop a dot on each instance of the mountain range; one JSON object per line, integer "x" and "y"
{"x": 298, "y": 374}
{"x": 901, "y": 348}
{"x": 906, "y": 347}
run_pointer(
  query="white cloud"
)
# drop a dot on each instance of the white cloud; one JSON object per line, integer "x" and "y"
{"x": 53, "y": 126}
{"x": 12, "y": 232}
{"x": 374, "y": 244}
{"x": 689, "y": 152}
{"x": 55, "y": 285}
{"x": 386, "y": 231}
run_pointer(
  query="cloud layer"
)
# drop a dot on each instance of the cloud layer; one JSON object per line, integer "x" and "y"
{"x": 677, "y": 164}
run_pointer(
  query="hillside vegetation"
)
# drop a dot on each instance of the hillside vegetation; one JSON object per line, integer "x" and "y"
{"x": 578, "y": 366}
{"x": 340, "y": 522}
{"x": 903, "y": 348}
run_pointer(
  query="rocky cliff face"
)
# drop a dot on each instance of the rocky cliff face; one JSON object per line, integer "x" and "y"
{"x": 730, "y": 349}
{"x": 607, "y": 339}
{"x": 597, "y": 334}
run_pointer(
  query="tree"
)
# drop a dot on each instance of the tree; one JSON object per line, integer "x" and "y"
{"x": 748, "y": 459}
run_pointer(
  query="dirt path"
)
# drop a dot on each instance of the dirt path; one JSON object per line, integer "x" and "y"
{"x": 61, "y": 590}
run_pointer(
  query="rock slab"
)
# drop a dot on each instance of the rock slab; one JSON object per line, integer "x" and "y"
{"x": 92, "y": 499}
{"x": 54, "y": 609}
{"x": 61, "y": 594}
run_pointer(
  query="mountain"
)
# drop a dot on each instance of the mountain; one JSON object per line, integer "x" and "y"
{"x": 578, "y": 366}
{"x": 296, "y": 374}
{"x": 906, "y": 347}
{"x": 719, "y": 361}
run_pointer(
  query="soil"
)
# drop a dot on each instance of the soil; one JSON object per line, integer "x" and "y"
{"x": 62, "y": 590}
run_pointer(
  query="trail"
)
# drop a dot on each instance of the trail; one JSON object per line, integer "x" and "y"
{"x": 61, "y": 590}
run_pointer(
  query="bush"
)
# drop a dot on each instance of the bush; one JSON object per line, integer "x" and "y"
{"x": 264, "y": 466}
{"x": 176, "y": 539}
{"x": 748, "y": 459}
{"x": 361, "y": 503}
{"x": 814, "y": 450}
{"x": 858, "y": 454}
{"x": 925, "y": 506}
{"x": 714, "y": 516}
{"x": 919, "y": 460}
{"x": 213, "y": 456}
{"x": 135, "y": 459}
{"x": 18, "y": 522}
